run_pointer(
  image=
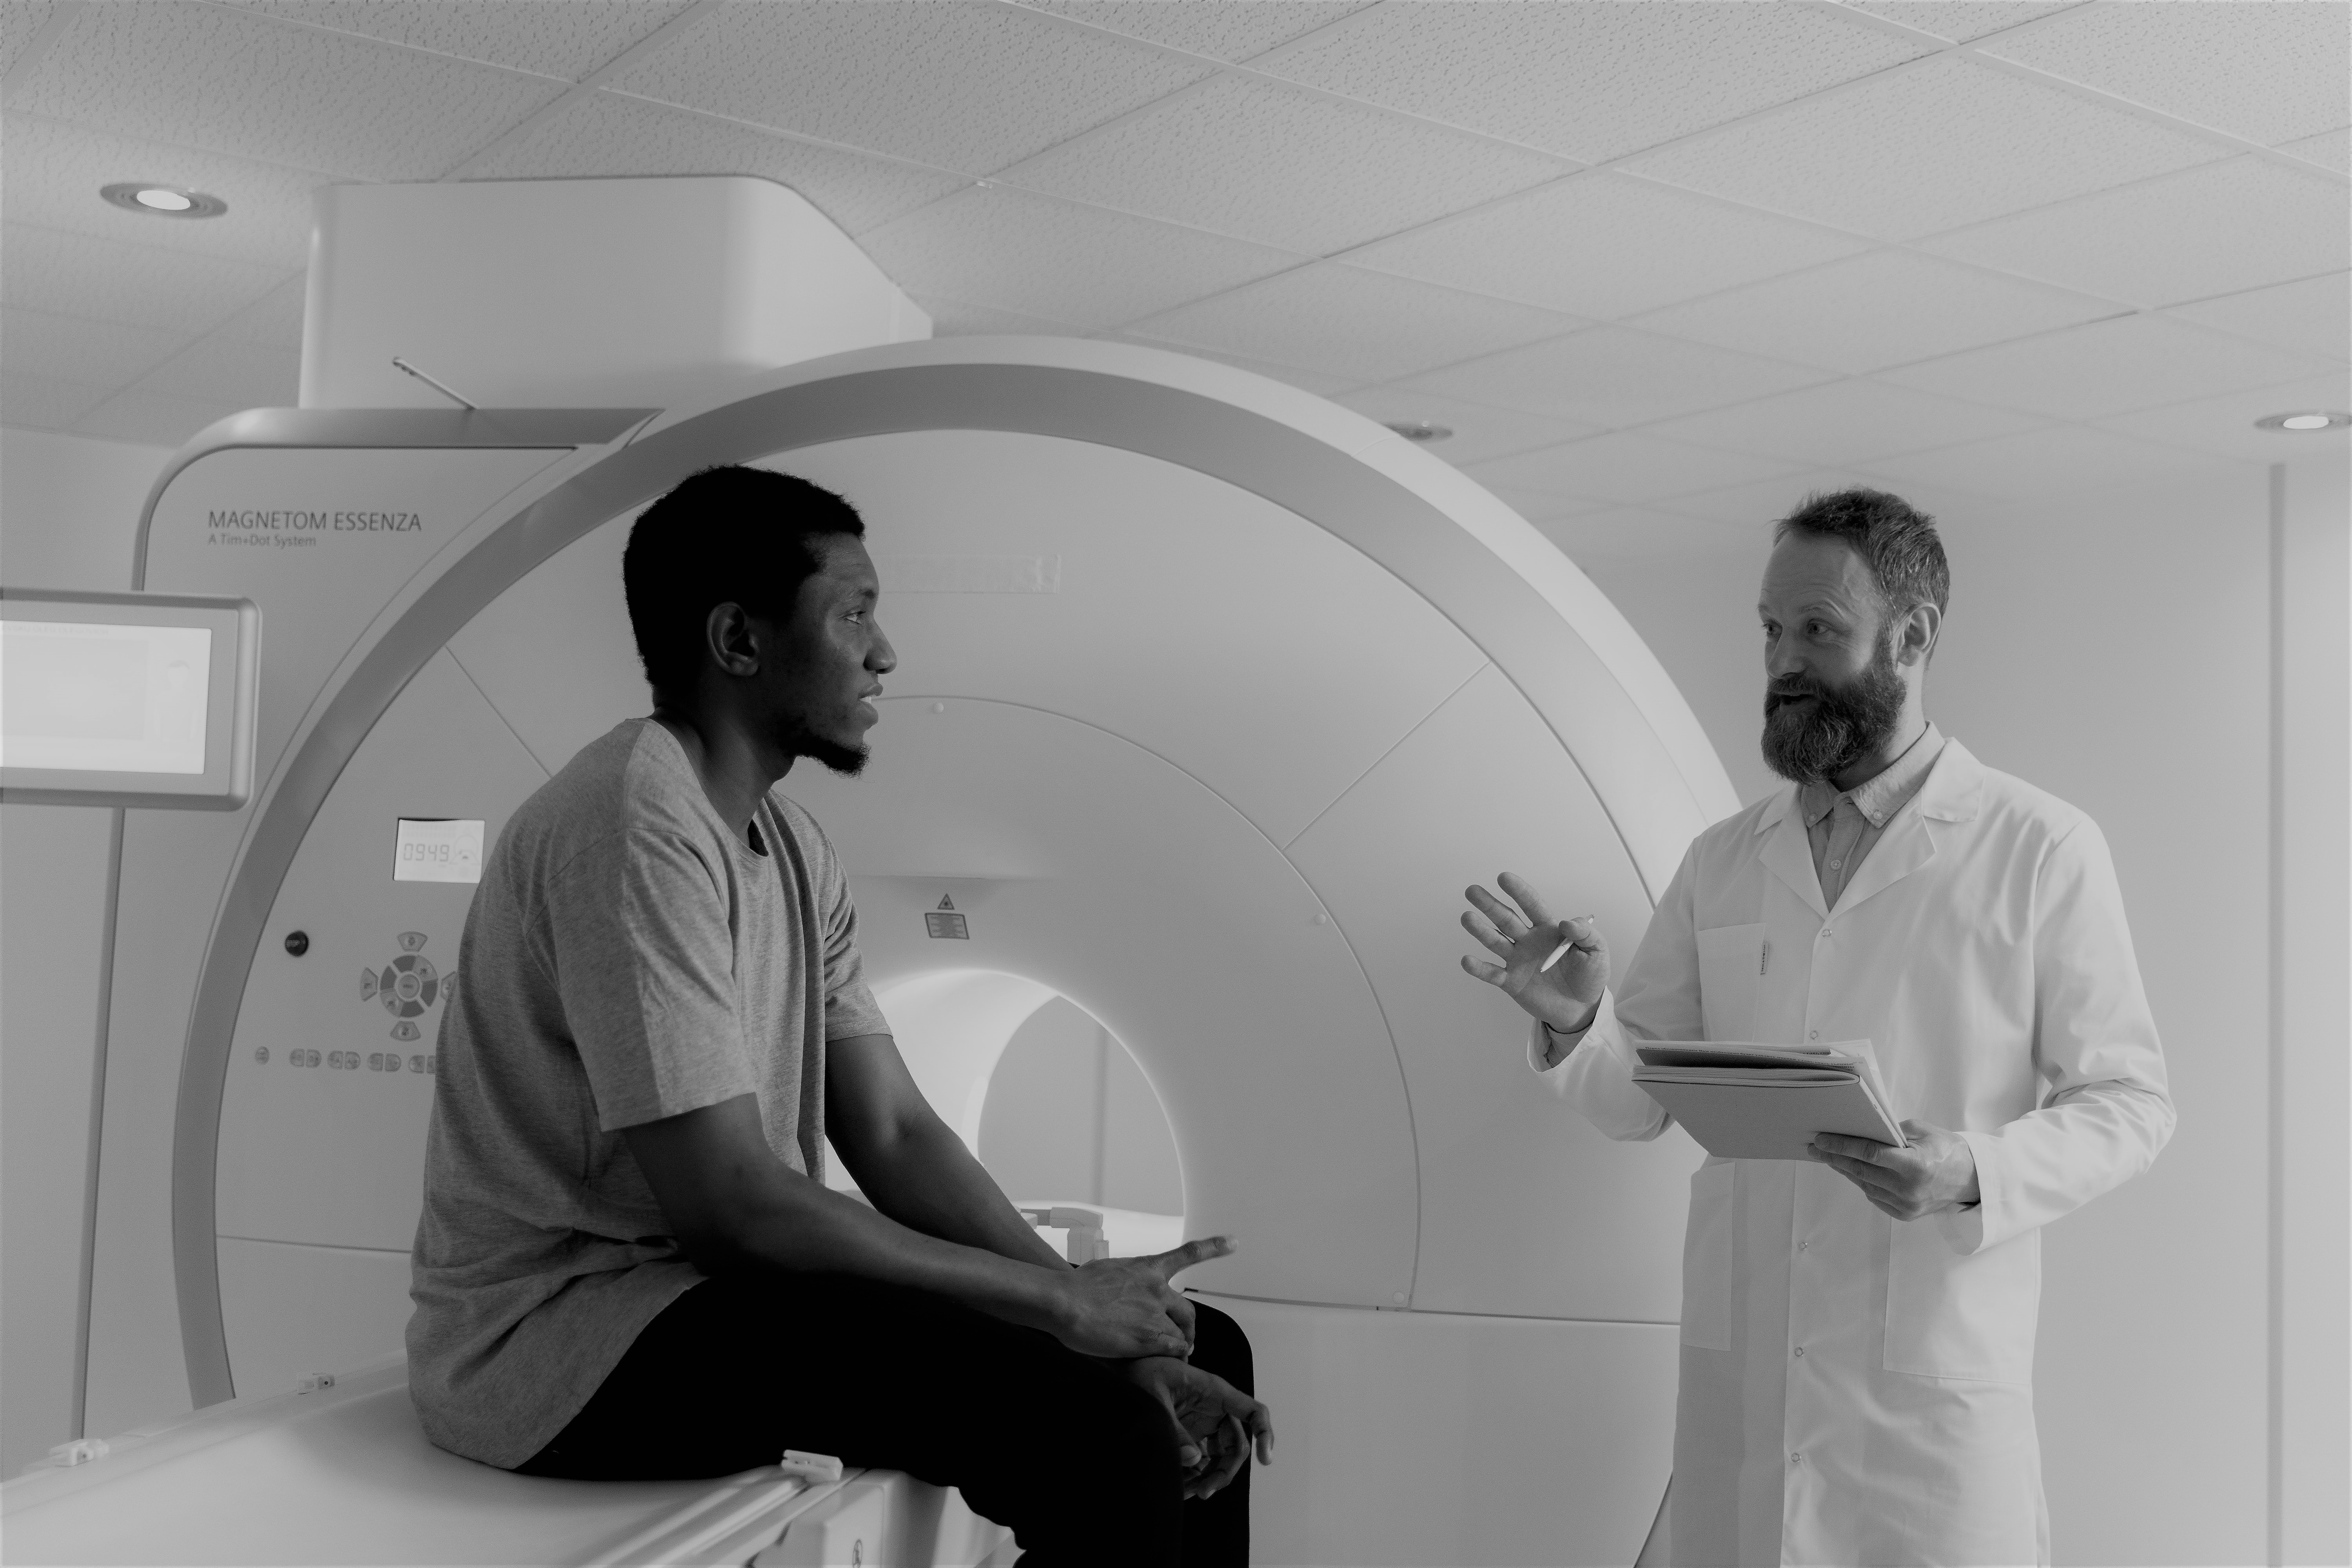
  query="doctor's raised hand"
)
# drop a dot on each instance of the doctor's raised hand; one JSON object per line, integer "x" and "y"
{"x": 1565, "y": 993}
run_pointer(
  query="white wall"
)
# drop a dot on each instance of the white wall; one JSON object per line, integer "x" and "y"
{"x": 68, "y": 511}
{"x": 2116, "y": 651}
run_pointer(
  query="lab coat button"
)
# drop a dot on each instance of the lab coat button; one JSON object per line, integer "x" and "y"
{"x": 1814, "y": 1035}
{"x": 1801, "y": 1353}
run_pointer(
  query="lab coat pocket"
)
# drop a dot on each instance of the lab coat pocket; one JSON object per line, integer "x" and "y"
{"x": 1707, "y": 1260}
{"x": 1971, "y": 1315}
{"x": 1730, "y": 971}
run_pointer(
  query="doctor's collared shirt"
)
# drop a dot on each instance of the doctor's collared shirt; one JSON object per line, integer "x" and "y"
{"x": 1843, "y": 825}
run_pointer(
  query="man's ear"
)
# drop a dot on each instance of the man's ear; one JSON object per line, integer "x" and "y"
{"x": 728, "y": 638}
{"x": 1916, "y": 640}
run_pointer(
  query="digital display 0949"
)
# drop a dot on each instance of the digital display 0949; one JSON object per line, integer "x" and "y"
{"x": 438, "y": 849}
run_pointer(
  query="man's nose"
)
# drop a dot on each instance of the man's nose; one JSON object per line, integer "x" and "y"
{"x": 881, "y": 659}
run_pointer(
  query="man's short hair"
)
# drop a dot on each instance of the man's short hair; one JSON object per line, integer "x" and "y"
{"x": 726, "y": 535}
{"x": 1896, "y": 541}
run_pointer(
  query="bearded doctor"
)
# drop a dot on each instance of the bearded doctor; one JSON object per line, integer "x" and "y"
{"x": 1857, "y": 1332}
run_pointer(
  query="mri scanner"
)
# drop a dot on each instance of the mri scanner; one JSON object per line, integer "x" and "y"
{"x": 1212, "y": 697}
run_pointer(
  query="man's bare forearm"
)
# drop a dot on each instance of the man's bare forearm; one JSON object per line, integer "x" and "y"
{"x": 930, "y": 1182}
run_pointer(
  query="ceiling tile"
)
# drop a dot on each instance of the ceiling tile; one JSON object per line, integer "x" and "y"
{"x": 1614, "y": 376}
{"x": 32, "y": 401}
{"x": 2107, "y": 367}
{"x": 1959, "y": 20}
{"x": 1480, "y": 432}
{"x": 2054, "y": 461}
{"x": 2329, "y": 148}
{"x": 221, "y": 370}
{"x": 1222, "y": 29}
{"x": 1345, "y": 175}
{"x": 150, "y": 418}
{"x": 50, "y": 174}
{"x": 1887, "y": 308}
{"x": 2226, "y": 424}
{"x": 274, "y": 320}
{"x": 568, "y": 40}
{"x": 1627, "y": 467}
{"x": 2210, "y": 230}
{"x": 607, "y": 135}
{"x": 2258, "y": 68}
{"x": 206, "y": 76}
{"x": 1764, "y": 501}
{"x": 971, "y": 87}
{"x": 1590, "y": 81}
{"x": 1843, "y": 422}
{"x": 1603, "y": 246}
{"x": 1056, "y": 259}
{"x": 20, "y": 20}
{"x": 66, "y": 348}
{"x": 1636, "y": 533}
{"x": 1538, "y": 507}
{"x": 105, "y": 279}
{"x": 1315, "y": 382}
{"x": 1341, "y": 321}
{"x": 1914, "y": 151}
{"x": 2312, "y": 316}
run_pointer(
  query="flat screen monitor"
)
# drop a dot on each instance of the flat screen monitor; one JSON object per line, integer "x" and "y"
{"x": 127, "y": 699}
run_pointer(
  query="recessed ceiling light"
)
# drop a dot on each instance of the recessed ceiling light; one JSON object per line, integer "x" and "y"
{"x": 1421, "y": 430}
{"x": 162, "y": 201}
{"x": 2311, "y": 419}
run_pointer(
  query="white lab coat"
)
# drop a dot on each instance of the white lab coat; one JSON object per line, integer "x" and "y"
{"x": 1856, "y": 1390}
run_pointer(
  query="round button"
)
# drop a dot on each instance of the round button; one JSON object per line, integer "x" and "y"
{"x": 1801, "y": 1353}
{"x": 297, "y": 943}
{"x": 1814, "y": 1035}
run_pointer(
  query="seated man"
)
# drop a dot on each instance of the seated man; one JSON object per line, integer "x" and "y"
{"x": 629, "y": 1264}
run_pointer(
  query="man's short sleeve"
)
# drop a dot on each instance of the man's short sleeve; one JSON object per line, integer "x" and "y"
{"x": 849, "y": 1007}
{"x": 645, "y": 960}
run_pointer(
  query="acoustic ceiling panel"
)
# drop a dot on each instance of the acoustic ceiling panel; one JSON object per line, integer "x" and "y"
{"x": 1367, "y": 325}
{"x": 1887, "y": 308}
{"x": 1641, "y": 533}
{"x": 2329, "y": 148}
{"x": 1614, "y": 376}
{"x": 2258, "y": 68}
{"x": 1222, "y": 29}
{"x": 1763, "y": 502}
{"x": 1480, "y": 430}
{"x": 151, "y": 418}
{"x": 108, "y": 280}
{"x": 606, "y": 134}
{"x": 43, "y": 403}
{"x": 2106, "y": 367}
{"x": 1627, "y": 467}
{"x": 1588, "y": 81}
{"x": 217, "y": 369}
{"x": 1843, "y": 423}
{"x": 2054, "y": 461}
{"x": 19, "y": 21}
{"x": 567, "y": 40}
{"x": 63, "y": 347}
{"x": 1603, "y": 245}
{"x": 1316, "y": 382}
{"x": 1346, "y": 174}
{"x": 961, "y": 319}
{"x": 233, "y": 82}
{"x": 2215, "y": 229}
{"x": 1923, "y": 150}
{"x": 969, "y": 88}
{"x": 50, "y": 174}
{"x": 2313, "y": 315}
{"x": 2226, "y": 424}
{"x": 275, "y": 319}
{"x": 1959, "y": 20}
{"x": 1056, "y": 259}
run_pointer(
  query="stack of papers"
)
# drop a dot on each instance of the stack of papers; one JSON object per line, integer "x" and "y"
{"x": 1745, "y": 1101}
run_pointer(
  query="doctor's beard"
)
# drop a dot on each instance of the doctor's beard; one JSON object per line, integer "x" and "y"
{"x": 1813, "y": 741}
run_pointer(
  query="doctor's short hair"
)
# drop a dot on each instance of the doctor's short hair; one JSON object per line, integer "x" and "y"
{"x": 726, "y": 535}
{"x": 1895, "y": 539}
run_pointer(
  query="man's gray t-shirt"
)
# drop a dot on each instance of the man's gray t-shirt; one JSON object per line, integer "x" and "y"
{"x": 627, "y": 958}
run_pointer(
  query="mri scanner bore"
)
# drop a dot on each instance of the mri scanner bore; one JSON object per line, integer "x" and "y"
{"x": 1220, "y": 812}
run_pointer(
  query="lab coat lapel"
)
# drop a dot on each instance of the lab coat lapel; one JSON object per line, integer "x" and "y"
{"x": 1953, "y": 788}
{"x": 1789, "y": 854}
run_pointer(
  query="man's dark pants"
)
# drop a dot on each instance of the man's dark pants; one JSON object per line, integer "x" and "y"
{"x": 1060, "y": 1447}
